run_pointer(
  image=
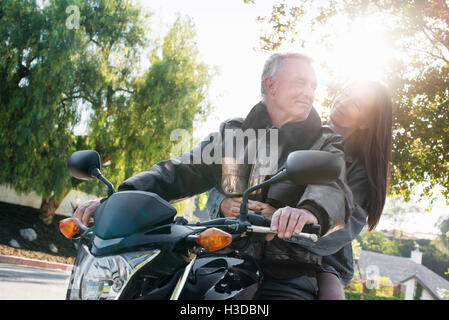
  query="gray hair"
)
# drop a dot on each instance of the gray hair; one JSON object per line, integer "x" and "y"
{"x": 272, "y": 65}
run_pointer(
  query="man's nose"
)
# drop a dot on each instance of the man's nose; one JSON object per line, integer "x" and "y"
{"x": 309, "y": 92}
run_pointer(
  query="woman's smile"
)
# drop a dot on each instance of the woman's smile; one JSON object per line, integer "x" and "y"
{"x": 338, "y": 112}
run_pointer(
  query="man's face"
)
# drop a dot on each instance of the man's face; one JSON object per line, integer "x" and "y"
{"x": 293, "y": 88}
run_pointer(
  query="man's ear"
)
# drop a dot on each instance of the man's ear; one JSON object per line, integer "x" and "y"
{"x": 269, "y": 86}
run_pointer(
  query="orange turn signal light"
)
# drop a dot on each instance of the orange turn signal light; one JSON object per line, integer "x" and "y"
{"x": 214, "y": 239}
{"x": 69, "y": 227}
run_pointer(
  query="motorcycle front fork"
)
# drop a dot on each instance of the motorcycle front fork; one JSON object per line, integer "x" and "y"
{"x": 182, "y": 280}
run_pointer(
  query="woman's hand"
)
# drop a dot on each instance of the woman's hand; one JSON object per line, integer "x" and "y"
{"x": 287, "y": 221}
{"x": 86, "y": 211}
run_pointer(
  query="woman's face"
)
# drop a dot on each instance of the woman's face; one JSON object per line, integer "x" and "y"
{"x": 352, "y": 107}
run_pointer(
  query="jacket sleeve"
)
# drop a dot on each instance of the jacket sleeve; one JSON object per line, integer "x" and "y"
{"x": 332, "y": 203}
{"x": 214, "y": 200}
{"x": 335, "y": 241}
{"x": 183, "y": 176}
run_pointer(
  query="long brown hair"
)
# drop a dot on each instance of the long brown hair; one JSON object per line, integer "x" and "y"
{"x": 373, "y": 146}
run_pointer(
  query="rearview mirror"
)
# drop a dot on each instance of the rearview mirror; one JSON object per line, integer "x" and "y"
{"x": 302, "y": 167}
{"x": 313, "y": 167}
{"x": 82, "y": 163}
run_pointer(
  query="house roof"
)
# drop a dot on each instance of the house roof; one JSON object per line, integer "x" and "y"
{"x": 401, "y": 269}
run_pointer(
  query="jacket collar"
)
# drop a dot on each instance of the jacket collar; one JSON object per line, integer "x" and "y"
{"x": 257, "y": 118}
{"x": 294, "y": 135}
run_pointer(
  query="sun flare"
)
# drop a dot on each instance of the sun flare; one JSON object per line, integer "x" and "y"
{"x": 361, "y": 50}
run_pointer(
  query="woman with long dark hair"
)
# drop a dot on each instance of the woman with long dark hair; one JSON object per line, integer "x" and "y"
{"x": 362, "y": 114}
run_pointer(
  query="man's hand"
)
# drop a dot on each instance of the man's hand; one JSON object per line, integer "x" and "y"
{"x": 266, "y": 210}
{"x": 287, "y": 221}
{"x": 230, "y": 207}
{"x": 86, "y": 211}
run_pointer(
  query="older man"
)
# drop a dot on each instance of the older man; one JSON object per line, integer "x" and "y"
{"x": 288, "y": 89}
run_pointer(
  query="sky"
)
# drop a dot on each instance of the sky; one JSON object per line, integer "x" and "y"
{"x": 228, "y": 38}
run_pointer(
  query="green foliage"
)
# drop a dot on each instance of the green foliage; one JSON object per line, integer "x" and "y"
{"x": 183, "y": 208}
{"x": 284, "y": 20}
{"x": 443, "y": 293}
{"x": 201, "y": 201}
{"x": 376, "y": 241}
{"x": 418, "y": 74}
{"x": 355, "y": 287}
{"x": 444, "y": 228}
{"x": 356, "y": 249}
{"x": 52, "y": 74}
{"x": 418, "y": 292}
{"x": 349, "y": 295}
{"x": 187, "y": 207}
{"x": 384, "y": 288}
{"x": 433, "y": 258}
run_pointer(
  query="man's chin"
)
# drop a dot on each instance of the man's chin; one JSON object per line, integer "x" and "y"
{"x": 300, "y": 116}
{"x": 303, "y": 105}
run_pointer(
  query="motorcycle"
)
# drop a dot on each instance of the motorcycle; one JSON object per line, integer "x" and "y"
{"x": 138, "y": 249}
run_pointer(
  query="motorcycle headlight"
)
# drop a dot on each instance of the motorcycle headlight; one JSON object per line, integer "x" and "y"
{"x": 97, "y": 278}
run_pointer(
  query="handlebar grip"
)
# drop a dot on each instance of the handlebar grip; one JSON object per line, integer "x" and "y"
{"x": 312, "y": 228}
{"x": 258, "y": 219}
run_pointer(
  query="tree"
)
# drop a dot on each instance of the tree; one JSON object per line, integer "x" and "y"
{"x": 376, "y": 241}
{"x": 418, "y": 76}
{"x": 396, "y": 211}
{"x": 444, "y": 228}
{"x": 60, "y": 57}
{"x": 356, "y": 251}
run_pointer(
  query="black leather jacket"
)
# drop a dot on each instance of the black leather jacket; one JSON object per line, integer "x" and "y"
{"x": 335, "y": 248}
{"x": 332, "y": 204}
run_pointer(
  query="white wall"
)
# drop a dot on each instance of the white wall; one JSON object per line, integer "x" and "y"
{"x": 26, "y": 199}
{"x": 74, "y": 198}
{"x": 416, "y": 256}
{"x": 410, "y": 289}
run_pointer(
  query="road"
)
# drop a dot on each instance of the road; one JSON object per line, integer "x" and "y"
{"x": 18, "y": 282}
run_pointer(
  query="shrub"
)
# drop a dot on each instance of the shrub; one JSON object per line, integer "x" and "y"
{"x": 356, "y": 287}
{"x": 385, "y": 287}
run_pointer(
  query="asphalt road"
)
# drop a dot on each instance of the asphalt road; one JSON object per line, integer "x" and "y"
{"x": 18, "y": 282}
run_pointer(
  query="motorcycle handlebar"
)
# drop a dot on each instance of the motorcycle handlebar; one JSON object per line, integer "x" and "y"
{"x": 258, "y": 219}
